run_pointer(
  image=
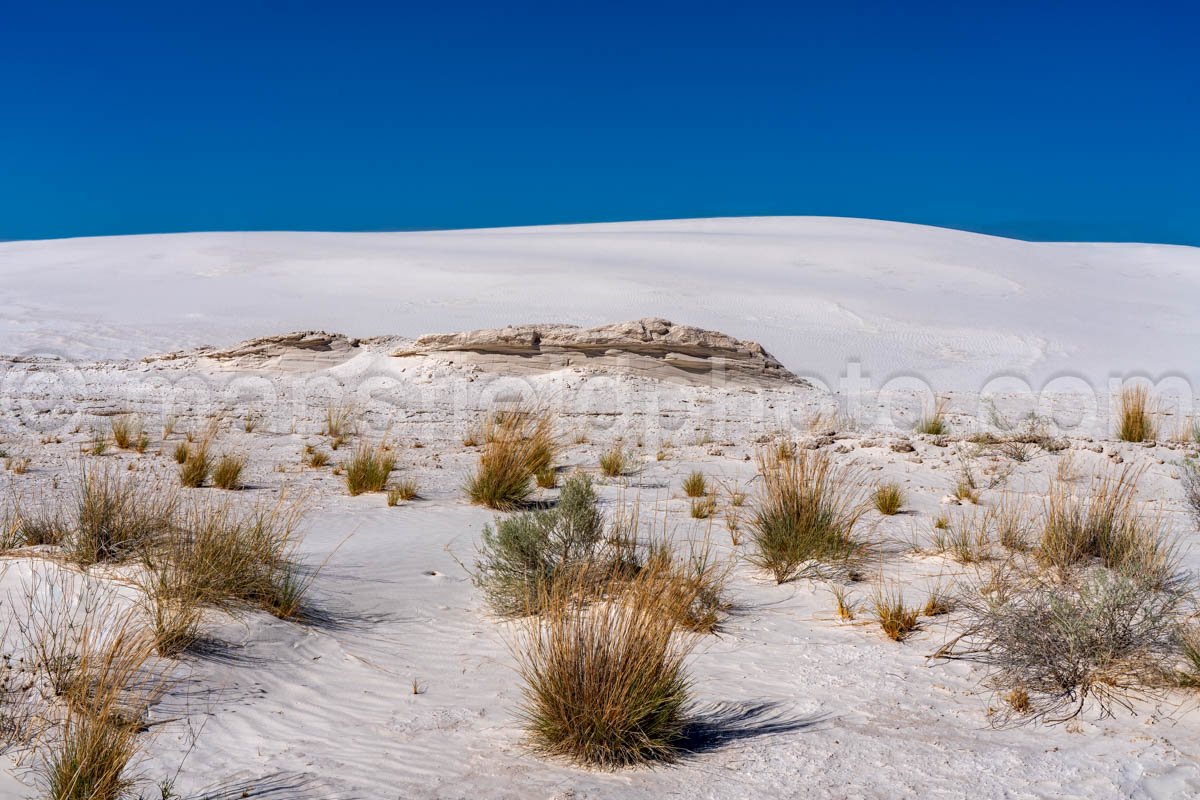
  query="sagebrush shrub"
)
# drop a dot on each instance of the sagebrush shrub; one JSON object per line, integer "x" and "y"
{"x": 1107, "y": 638}
{"x": 521, "y": 556}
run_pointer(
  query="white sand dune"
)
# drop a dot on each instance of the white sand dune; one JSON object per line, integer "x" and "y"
{"x": 953, "y": 307}
{"x": 794, "y": 702}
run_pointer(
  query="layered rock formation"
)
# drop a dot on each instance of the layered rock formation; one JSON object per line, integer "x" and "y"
{"x": 651, "y": 347}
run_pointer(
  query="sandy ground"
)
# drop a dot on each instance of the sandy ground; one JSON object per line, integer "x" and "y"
{"x": 791, "y": 702}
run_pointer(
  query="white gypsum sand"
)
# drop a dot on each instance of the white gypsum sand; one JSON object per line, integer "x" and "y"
{"x": 953, "y": 307}
{"x": 791, "y": 701}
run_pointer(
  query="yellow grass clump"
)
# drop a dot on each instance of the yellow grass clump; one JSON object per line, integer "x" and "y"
{"x": 227, "y": 472}
{"x": 518, "y": 446}
{"x": 368, "y": 469}
{"x": 695, "y": 485}
{"x": 1107, "y": 525}
{"x": 614, "y": 462}
{"x": 1135, "y": 415}
{"x": 403, "y": 491}
{"x": 606, "y": 684}
{"x": 896, "y": 620}
{"x": 888, "y": 499}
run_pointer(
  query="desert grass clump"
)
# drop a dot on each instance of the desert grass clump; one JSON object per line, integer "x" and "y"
{"x": 195, "y": 468}
{"x": 181, "y": 452}
{"x": 966, "y": 492}
{"x": 172, "y": 602}
{"x": 339, "y": 423}
{"x": 221, "y": 555}
{"x": 967, "y": 539}
{"x": 807, "y": 512}
{"x": 1106, "y": 638}
{"x": 312, "y": 457}
{"x": 501, "y": 479}
{"x": 32, "y": 524}
{"x": 521, "y": 557}
{"x": 693, "y": 584}
{"x": 1106, "y": 525}
{"x": 1017, "y": 450}
{"x": 93, "y": 713}
{"x": 92, "y": 759}
{"x": 535, "y": 429}
{"x": 1189, "y": 644}
{"x": 227, "y": 472}
{"x": 127, "y": 431}
{"x": 17, "y": 465}
{"x": 846, "y": 608}
{"x": 896, "y": 620}
{"x": 546, "y": 478}
{"x": 703, "y": 507}
{"x": 695, "y": 485}
{"x": 1013, "y": 526}
{"x": 1135, "y": 415}
{"x": 518, "y": 446}
{"x": 116, "y": 514}
{"x": 888, "y": 499}
{"x": 614, "y": 462}
{"x": 403, "y": 491}
{"x": 938, "y": 603}
{"x": 99, "y": 445}
{"x": 606, "y": 684}
{"x": 541, "y": 447}
{"x": 933, "y": 420}
{"x": 368, "y": 469}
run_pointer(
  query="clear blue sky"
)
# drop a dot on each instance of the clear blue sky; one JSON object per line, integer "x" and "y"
{"x": 1040, "y": 120}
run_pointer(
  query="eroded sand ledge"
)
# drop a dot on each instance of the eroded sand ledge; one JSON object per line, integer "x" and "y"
{"x": 653, "y": 347}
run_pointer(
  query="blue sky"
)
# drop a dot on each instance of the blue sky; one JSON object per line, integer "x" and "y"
{"x": 1039, "y": 120}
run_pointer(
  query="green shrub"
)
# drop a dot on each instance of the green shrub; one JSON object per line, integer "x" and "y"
{"x": 522, "y": 555}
